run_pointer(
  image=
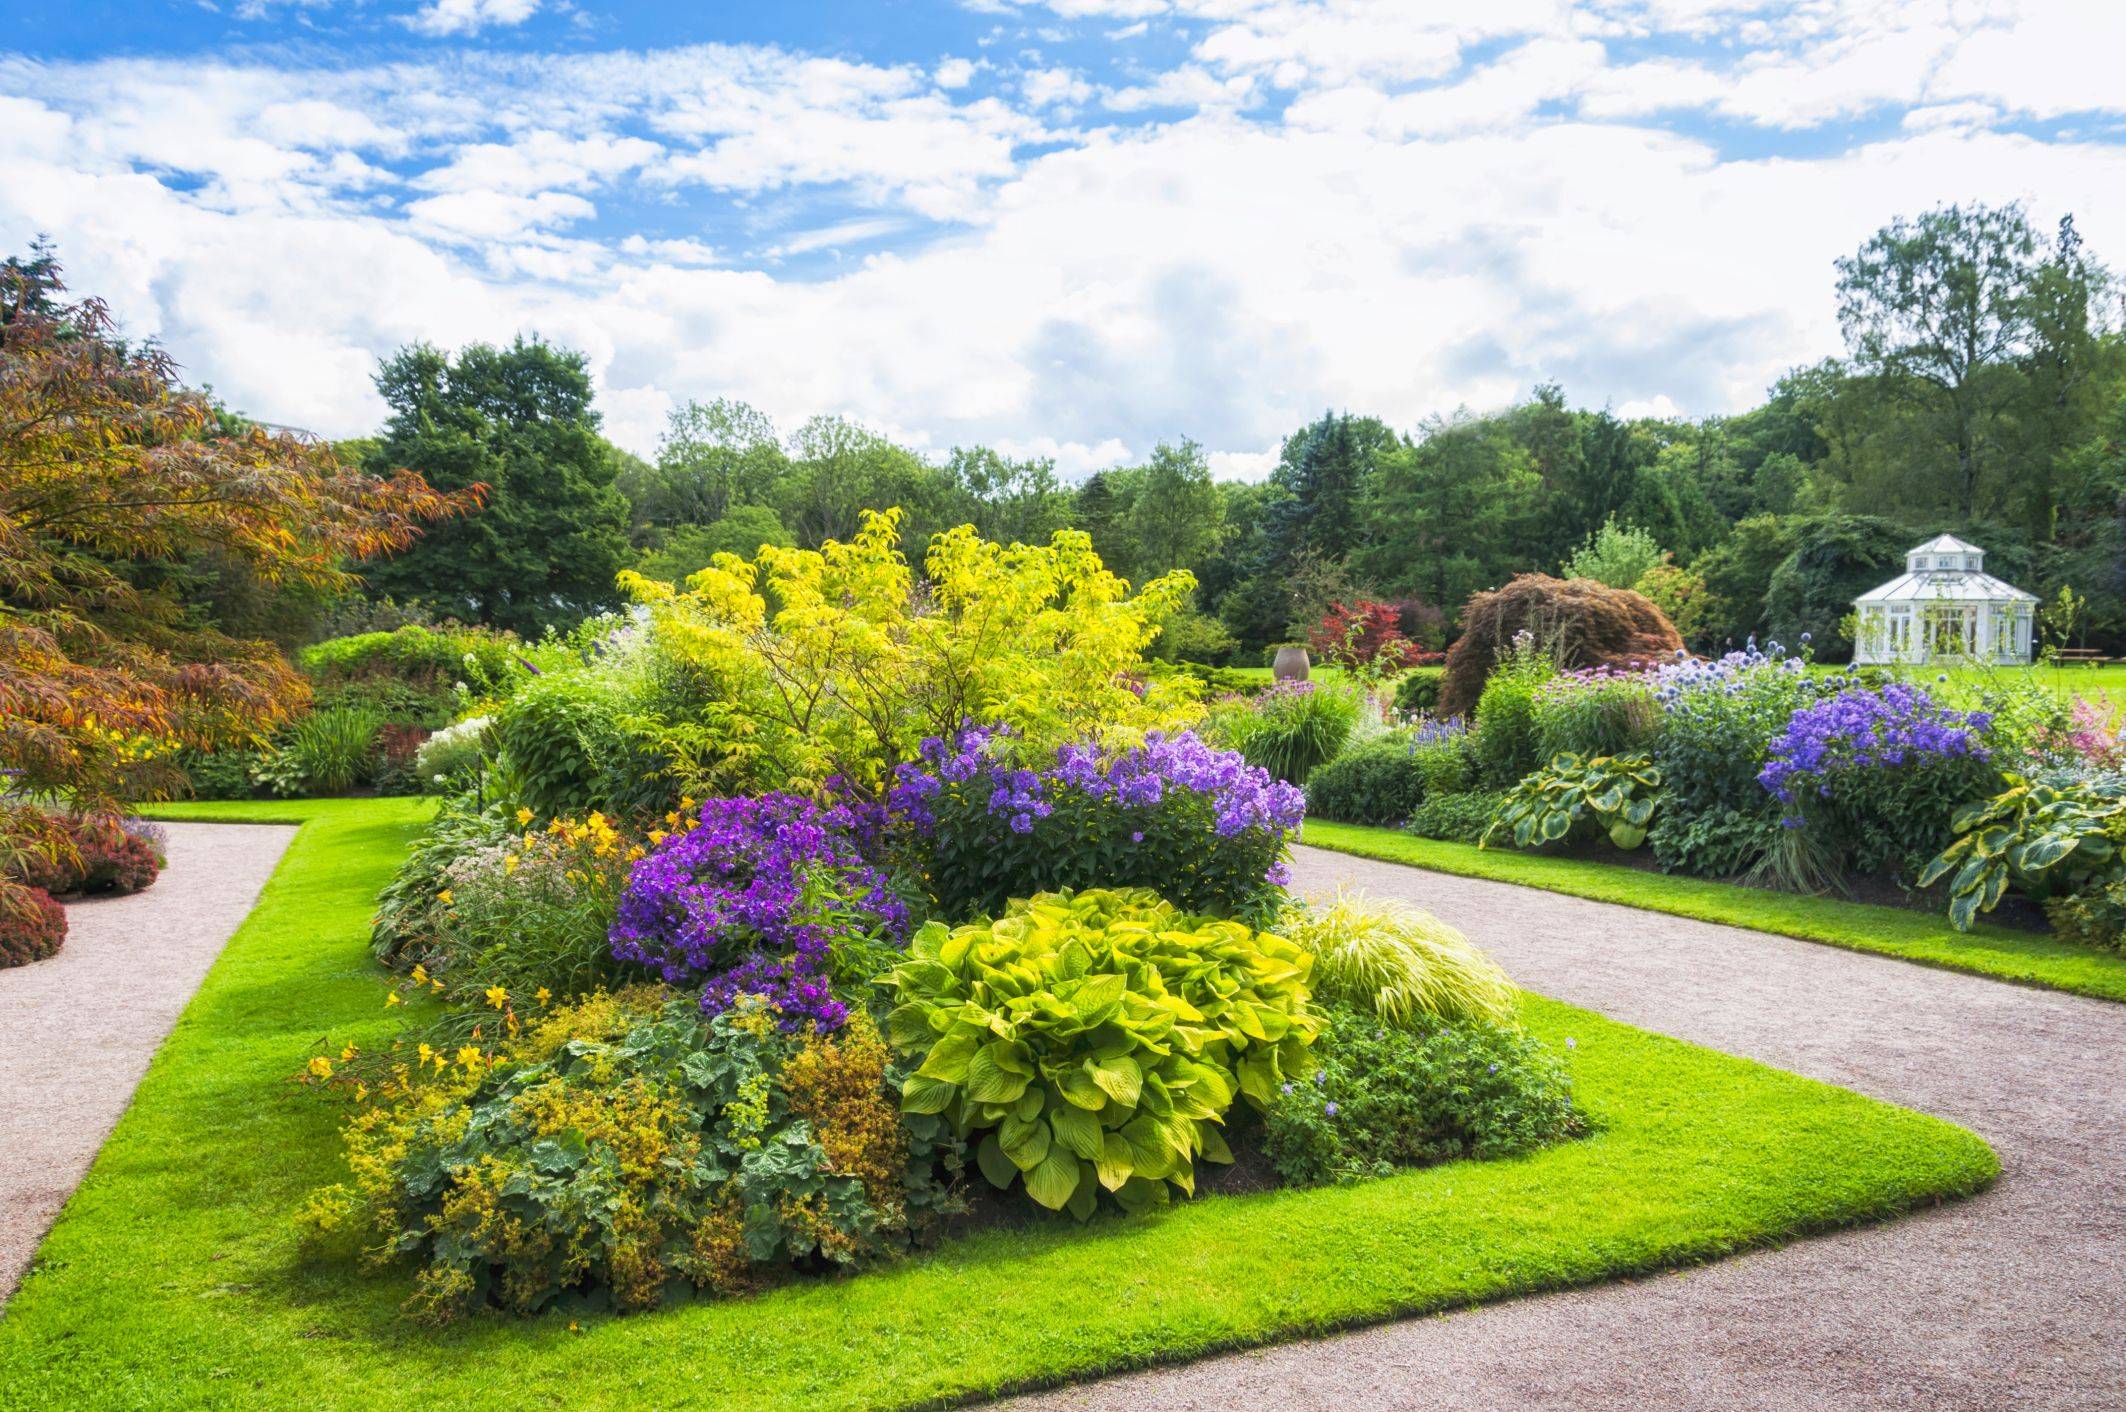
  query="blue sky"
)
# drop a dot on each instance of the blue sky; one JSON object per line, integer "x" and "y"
{"x": 1064, "y": 227}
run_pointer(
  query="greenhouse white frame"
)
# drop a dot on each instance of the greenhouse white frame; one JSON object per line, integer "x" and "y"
{"x": 1944, "y": 606}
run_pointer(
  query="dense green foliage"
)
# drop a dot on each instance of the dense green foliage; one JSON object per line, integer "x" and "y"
{"x": 1379, "y": 782}
{"x": 1616, "y": 793}
{"x": 2041, "y": 838}
{"x": 1291, "y": 729}
{"x": 1440, "y": 1090}
{"x": 1458, "y": 818}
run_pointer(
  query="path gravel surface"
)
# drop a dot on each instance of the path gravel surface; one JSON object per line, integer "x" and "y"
{"x": 2016, "y": 1299}
{"x": 77, "y": 1030}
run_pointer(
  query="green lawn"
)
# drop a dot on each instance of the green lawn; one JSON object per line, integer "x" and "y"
{"x": 172, "y": 1279}
{"x": 1986, "y": 950}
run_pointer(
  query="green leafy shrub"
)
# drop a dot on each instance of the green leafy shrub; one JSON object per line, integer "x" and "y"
{"x": 1598, "y": 711}
{"x": 2096, "y": 917}
{"x": 410, "y": 908}
{"x": 626, "y": 1145}
{"x": 568, "y": 744}
{"x": 1457, "y": 818}
{"x": 1385, "y": 779}
{"x": 1619, "y": 793}
{"x": 1386, "y": 1098}
{"x": 418, "y": 656}
{"x": 220, "y": 774}
{"x": 1094, "y": 1041}
{"x": 1506, "y": 744}
{"x": 2040, "y": 838}
{"x": 1291, "y": 729}
{"x": 32, "y": 926}
{"x": 1379, "y": 782}
{"x": 1399, "y": 963}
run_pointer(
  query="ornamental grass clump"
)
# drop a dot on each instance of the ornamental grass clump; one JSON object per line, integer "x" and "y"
{"x": 1293, "y": 728}
{"x": 1400, "y": 963}
{"x": 1092, "y": 1042}
{"x": 762, "y": 896}
{"x": 1202, "y": 825}
{"x": 628, "y": 1147}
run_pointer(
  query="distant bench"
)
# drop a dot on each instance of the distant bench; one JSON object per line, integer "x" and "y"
{"x": 2080, "y": 657}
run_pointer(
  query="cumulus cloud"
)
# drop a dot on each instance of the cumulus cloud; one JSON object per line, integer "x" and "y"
{"x": 1320, "y": 203}
{"x": 448, "y": 17}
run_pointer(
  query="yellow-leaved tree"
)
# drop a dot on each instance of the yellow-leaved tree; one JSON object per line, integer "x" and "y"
{"x": 838, "y": 661}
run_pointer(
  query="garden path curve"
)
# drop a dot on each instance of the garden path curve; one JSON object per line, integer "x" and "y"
{"x": 77, "y": 1030}
{"x": 2016, "y": 1299}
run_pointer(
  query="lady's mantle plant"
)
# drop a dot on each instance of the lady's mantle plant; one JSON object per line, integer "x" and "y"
{"x": 766, "y": 897}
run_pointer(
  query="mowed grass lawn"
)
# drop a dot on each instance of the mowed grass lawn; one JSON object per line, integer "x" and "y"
{"x": 174, "y": 1278}
{"x": 1910, "y": 935}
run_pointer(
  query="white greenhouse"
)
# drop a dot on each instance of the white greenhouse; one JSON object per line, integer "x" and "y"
{"x": 1944, "y": 605}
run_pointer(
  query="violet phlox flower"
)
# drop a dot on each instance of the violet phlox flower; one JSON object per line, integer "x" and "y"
{"x": 752, "y": 899}
{"x": 1863, "y": 728}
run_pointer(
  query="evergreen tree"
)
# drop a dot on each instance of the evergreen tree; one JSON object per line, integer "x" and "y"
{"x": 519, "y": 421}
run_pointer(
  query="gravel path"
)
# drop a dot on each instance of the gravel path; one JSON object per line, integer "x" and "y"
{"x": 77, "y": 1030}
{"x": 2016, "y": 1299}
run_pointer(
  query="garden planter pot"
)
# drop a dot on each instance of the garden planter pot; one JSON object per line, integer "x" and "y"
{"x": 1292, "y": 664}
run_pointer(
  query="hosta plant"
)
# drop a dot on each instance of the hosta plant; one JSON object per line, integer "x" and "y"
{"x": 2038, "y": 837}
{"x": 1619, "y": 792}
{"x": 1093, "y": 1041}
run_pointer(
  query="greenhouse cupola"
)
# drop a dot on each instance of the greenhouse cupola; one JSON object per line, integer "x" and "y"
{"x": 1943, "y": 606}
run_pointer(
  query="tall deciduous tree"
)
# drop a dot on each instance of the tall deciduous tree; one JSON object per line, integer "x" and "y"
{"x": 520, "y": 421}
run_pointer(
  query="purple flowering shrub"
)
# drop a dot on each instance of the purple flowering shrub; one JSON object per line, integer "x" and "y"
{"x": 1883, "y": 768}
{"x": 766, "y": 896}
{"x": 1199, "y": 825}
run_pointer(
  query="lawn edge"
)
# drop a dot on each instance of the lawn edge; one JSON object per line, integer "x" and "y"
{"x": 1516, "y": 869}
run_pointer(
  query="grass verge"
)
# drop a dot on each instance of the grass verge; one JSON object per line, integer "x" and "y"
{"x": 172, "y": 1279}
{"x": 1985, "y": 950}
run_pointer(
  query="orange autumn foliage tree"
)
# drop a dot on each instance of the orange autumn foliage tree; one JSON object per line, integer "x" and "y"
{"x": 106, "y": 463}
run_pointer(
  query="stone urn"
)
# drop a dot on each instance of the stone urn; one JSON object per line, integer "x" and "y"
{"x": 1292, "y": 663}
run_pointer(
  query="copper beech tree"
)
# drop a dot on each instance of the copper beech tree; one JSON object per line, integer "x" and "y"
{"x": 108, "y": 463}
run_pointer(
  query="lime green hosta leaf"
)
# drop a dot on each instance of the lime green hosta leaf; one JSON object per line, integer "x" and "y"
{"x": 989, "y": 1082}
{"x": 1076, "y": 1129}
{"x": 1024, "y": 1140}
{"x": 921, "y": 1095}
{"x": 1114, "y": 1162}
{"x": 1054, "y": 1180}
{"x": 948, "y": 1058}
{"x": 1151, "y": 1154}
{"x": 989, "y": 1155}
{"x": 1120, "y": 1078}
{"x": 1211, "y": 1143}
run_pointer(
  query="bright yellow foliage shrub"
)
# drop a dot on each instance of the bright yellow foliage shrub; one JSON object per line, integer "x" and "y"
{"x": 841, "y": 660}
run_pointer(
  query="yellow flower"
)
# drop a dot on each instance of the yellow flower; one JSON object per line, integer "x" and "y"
{"x": 420, "y": 974}
{"x": 469, "y": 1056}
{"x": 426, "y": 1053}
{"x": 320, "y": 1067}
{"x": 658, "y": 836}
{"x": 634, "y": 854}
{"x": 497, "y": 997}
{"x": 392, "y": 999}
{"x": 444, "y": 897}
{"x": 346, "y": 1054}
{"x": 542, "y": 995}
{"x": 361, "y": 1091}
{"x": 509, "y": 863}
{"x": 524, "y": 816}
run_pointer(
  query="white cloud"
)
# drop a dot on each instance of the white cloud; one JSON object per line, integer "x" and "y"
{"x": 955, "y": 73}
{"x": 1339, "y": 204}
{"x": 446, "y": 17}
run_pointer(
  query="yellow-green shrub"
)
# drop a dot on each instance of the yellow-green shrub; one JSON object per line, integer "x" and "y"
{"x": 835, "y": 661}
